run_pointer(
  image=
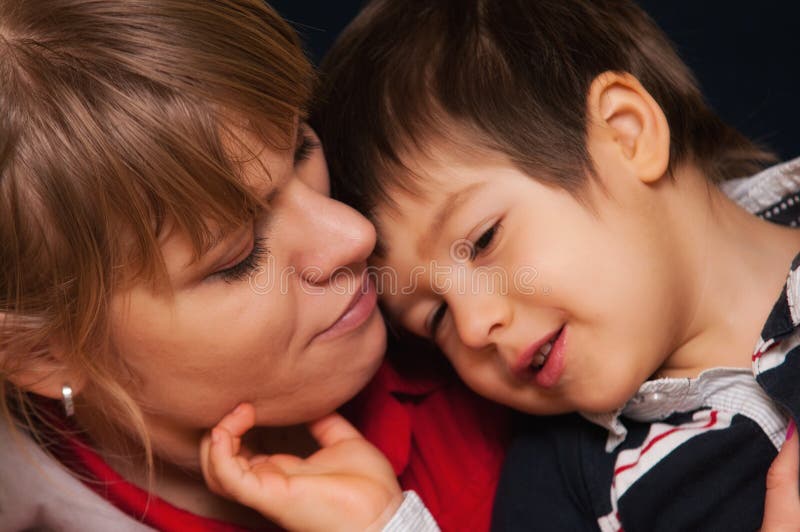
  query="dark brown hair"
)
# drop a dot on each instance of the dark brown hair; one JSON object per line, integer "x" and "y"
{"x": 114, "y": 125}
{"x": 514, "y": 75}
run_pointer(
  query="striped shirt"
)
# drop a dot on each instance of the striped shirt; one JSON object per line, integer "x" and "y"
{"x": 682, "y": 454}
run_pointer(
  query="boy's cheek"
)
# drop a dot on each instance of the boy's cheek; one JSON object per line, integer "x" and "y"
{"x": 473, "y": 368}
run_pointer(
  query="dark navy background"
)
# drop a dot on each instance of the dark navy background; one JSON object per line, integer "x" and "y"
{"x": 746, "y": 55}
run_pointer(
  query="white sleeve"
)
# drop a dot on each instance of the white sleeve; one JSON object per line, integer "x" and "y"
{"x": 411, "y": 516}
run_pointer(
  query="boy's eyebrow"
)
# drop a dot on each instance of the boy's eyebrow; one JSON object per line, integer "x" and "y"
{"x": 448, "y": 207}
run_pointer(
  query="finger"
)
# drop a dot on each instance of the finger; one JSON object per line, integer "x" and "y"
{"x": 205, "y": 464}
{"x": 333, "y": 429}
{"x": 260, "y": 485}
{"x": 289, "y": 463}
{"x": 225, "y": 467}
{"x": 782, "y": 505}
{"x": 784, "y": 469}
{"x": 213, "y": 458}
{"x": 237, "y": 422}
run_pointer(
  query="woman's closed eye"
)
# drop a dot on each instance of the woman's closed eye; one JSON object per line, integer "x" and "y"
{"x": 305, "y": 147}
{"x": 246, "y": 266}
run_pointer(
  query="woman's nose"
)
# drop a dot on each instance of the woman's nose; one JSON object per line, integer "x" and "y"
{"x": 329, "y": 235}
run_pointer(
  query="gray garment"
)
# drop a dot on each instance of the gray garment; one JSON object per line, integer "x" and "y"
{"x": 38, "y": 493}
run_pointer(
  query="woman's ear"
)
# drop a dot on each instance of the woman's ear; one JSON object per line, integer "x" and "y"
{"x": 626, "y": 123}
{"x": 47, "y": 380}
{"x": 44, "y": 373}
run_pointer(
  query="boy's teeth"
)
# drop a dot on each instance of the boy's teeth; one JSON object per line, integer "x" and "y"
{"x": 541, "y": 356}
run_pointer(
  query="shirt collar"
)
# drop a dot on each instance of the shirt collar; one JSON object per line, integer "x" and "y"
{"x": 760, "y": 194}
{"x": 658, "y": 399}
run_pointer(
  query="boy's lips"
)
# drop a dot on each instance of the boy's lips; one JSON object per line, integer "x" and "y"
{"x": 526, "y": 357}
{"x": 548, "y": 374}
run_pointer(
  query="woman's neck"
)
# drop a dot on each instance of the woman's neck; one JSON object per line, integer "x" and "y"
{"x": 178, "y": 479}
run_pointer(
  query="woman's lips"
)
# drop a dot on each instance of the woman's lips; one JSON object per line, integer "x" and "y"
{"x": 361, "y": 307}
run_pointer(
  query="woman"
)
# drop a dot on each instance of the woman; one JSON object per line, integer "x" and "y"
{"x": 169, "y": 251}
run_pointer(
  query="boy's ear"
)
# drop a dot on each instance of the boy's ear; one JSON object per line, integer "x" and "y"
{"x": 623, "y": 113}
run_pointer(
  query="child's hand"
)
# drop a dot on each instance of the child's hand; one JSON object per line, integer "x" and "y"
{"x": 346, "y": 485}
{"x": 782, "y": 507}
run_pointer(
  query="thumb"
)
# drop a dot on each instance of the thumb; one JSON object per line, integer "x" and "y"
{"x": 782, "y": 505}
{"x": 332, "y": 429}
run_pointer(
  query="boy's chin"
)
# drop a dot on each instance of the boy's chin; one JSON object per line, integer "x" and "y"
{"x": 586, "y": 405}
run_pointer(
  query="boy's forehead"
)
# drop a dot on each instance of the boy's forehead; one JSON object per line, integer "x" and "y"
{"x": 396, "y": 221}
{"x": 409, "y": 226}
{"x": 423, "y": 191}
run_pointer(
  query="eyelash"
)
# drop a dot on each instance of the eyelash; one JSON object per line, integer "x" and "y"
{"x": 303, "y": 151}
{"x": 485, "y": 241}
{"x": 436, "y": 319}
{"x": 248, "y": 265}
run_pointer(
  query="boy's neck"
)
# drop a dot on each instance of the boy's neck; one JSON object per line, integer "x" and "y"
{"x": 735, "y": 265}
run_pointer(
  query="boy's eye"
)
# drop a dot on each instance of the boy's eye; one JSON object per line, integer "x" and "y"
{"x": 247, "y": 266}
{"x": 484, "y": 242}
{"x": 435, "y": 319}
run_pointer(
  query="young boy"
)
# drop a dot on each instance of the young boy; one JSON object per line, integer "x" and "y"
{"x": 542, "y": 175}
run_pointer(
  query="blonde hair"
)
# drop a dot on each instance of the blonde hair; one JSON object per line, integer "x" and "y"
{"x": 112, "y": 120}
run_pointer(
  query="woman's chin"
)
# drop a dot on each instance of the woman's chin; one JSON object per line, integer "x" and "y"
{"x": 372, "y": 349}
{"x": 368, "y": 352}
{"x": 357, "y": 363}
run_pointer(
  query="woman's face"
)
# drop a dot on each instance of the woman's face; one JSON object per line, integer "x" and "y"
{"x": 275, "y": 314}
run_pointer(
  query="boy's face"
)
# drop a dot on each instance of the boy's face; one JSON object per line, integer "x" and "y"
{"x": 495, "y": 266}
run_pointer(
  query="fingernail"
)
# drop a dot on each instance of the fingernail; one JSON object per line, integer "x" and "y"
{"x": 237, "y": 409}
{"x": 790, "y": 430}
{"x": 215, "y": 437}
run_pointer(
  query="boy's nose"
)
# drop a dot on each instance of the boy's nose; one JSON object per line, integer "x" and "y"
{"x": 329, "y": 235}
{"x": 479, "y": 318}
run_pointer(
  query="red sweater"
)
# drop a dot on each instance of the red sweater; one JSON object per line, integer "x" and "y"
{"x": 443, "y": 441}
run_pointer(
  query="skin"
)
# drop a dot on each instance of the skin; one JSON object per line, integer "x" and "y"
{"x": 782, "y": 506}
{"x": 247, "y": 343}
{"x": 180, "y": 348}
{"x": 475, "y": 344}
{"x": 347, "y": 485}
{"x": 648, "y": 275}
{"x": 217, "y": 343}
